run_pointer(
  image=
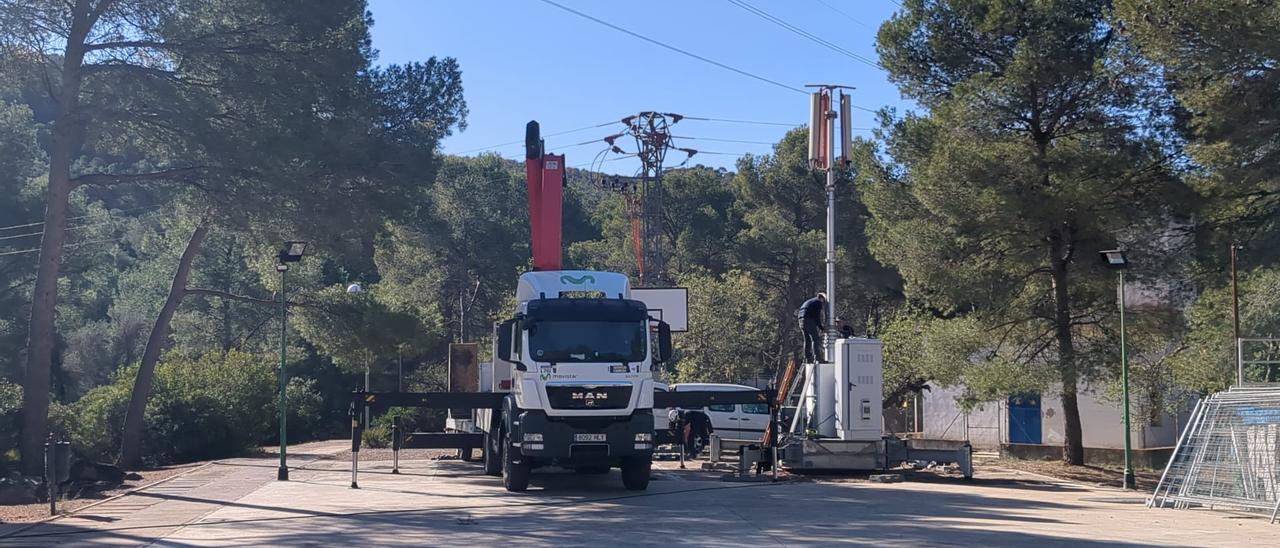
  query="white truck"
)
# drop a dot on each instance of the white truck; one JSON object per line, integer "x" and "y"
{"x": 577, "y": 359}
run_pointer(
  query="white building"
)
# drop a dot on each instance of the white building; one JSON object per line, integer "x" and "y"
{"x": 1032, "y": 426}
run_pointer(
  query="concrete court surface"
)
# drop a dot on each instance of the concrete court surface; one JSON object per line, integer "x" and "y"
{"x": 449, "y": 503}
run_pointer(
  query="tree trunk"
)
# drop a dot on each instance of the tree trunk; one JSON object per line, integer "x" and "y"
{"x": 67, "y": 130}
{"x": 1073, "y": 442}
{"x": 131, "y": 439}
{"x": 228, "y": 338}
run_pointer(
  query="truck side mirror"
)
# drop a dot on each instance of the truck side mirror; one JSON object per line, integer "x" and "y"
{"x": 503, "y": 344}
{"x": 664, "y": 342}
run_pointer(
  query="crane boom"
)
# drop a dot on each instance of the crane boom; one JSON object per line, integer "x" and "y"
{"x": 544, "y": 174}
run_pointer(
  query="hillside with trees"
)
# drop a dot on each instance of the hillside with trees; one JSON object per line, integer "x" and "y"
{"x": 155, "y": 154}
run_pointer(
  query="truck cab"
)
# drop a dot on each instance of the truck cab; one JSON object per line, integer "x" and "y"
{"x": 579, "y": 354}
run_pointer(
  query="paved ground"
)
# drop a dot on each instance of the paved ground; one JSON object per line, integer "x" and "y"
{"x": 237, "y": 503}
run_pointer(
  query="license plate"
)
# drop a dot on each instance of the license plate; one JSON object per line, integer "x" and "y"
{"x": 588, "y": 437}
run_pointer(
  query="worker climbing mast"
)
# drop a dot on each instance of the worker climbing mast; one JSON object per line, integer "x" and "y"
{"x": 822, "y": 156}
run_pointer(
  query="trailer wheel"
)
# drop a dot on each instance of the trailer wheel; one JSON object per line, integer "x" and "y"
{"x": 635, "y": 473}
{"x": 515, "y": 475}
{"x": 492, "y": 454}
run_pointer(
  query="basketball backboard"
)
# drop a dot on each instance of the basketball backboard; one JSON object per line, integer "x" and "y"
{"x": 669, "y": 304}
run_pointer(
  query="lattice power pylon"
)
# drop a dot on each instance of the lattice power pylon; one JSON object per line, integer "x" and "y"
{"x": 643, "y": 193}
{"x": 652, "y": 132}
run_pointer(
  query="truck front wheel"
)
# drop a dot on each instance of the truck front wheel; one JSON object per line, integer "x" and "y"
{"x": 635, "y": 473}
{"x": 515, "y": 467}
{"x": 492, "y": 454}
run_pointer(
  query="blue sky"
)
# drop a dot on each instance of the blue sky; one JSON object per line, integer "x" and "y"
{"x": 526, "y": 59}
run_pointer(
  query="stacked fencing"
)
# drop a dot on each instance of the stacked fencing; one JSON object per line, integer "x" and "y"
{"x": 1228, "y": 456}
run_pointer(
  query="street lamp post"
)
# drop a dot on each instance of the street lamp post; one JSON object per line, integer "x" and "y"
{"x": 291, "y": 253}
{"x": 1235, "y": 315}
{"x": 354, "y": 289}
{"x": 1115, "y": 260}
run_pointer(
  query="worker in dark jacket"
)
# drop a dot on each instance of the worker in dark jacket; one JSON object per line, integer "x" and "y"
{"x": 810, "y": 316}
{"x": 694, "y": 429}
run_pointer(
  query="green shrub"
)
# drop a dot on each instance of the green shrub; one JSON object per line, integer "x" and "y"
{"x": 10, "y": 417}
{"x": 92, "y": 424}
{"x": 377, "y": 436}
{"x": 212, "y": 406}
{"x": 306, "y": 410}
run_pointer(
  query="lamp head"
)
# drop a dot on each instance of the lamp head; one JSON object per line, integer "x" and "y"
{"x": 292, "y": 251}
{"x": 1114, "y": 259}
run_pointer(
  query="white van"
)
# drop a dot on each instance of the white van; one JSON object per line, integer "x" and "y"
{"x": 743, "y": 422}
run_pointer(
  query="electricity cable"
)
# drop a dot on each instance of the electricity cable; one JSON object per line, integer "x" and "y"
{"x": 72, "y": 246}
{"x": 803, "y": 33}
{"x": 521, "y": 141}
{"x": 846, "y": 15}
{"x": 108, "y": 212}
{"x": 675, "y": 49}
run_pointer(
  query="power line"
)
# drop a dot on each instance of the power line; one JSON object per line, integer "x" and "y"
{"x": 23, "y": 235}
{"x": 723, "y": 153}
{"x": 846, "y": 15}
{"x": 723, "y": 140}
{"x": 108, "y": 212}
{"x": 675, "y": 49}
{"x": 797, "y": 30}
{"x": 72, "y": 246}
{"x": 548, "y": 135}
{"x": 731, "y": 121}
{"x": 899, "y": 4}
{"x": 744, "y": 141}
{"x": 69, "y": 229}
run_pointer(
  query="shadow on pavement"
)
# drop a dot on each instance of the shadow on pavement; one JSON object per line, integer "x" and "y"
{"x": 572, "y": 509}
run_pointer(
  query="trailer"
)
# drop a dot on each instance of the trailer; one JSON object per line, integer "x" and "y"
{"x": 495, "y": 405}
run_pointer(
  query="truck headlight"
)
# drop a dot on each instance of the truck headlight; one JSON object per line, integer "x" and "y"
{"x": 533, "y": 436}
{"x": 644, "y": 436}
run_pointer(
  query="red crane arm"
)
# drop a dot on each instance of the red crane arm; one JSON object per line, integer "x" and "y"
{"x": 544, "y": 174}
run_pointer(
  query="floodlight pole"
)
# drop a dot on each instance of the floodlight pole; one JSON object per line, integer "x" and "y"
{"x": 1235, "y": 317}
{"x": 282, "y": 474}
{"x": 1129, "y": 481}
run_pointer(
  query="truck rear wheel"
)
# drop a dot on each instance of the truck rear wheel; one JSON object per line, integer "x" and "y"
{"x": 492, "y": 454}
{"x": 515, "y": 475}
{"x": 635, "y": 473}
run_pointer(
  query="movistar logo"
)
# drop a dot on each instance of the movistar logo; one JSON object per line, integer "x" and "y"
{"x": 567, "y": 279}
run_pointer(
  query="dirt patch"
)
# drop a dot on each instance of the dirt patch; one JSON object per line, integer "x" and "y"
{"x": 1102, "y": 476}
{"x": 79, "y": 497}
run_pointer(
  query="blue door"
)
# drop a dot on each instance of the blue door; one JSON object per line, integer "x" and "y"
{"x": 1024, "y": 418}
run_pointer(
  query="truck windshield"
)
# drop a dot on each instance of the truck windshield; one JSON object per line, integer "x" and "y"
{"x": 587, "y": 341}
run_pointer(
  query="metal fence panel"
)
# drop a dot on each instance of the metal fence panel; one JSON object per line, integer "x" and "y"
{"x": 1228, "y": 455}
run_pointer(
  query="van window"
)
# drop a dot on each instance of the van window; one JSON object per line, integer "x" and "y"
{"x": 756, "y": 408}
{"x": 721, "y": 408}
